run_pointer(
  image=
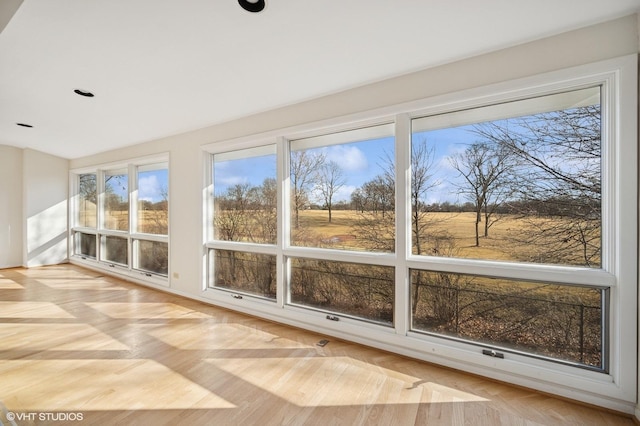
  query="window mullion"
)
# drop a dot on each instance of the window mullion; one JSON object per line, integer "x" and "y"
{"x": 403, "y": 238}
{"x": 132, "y": 171}
{"x": 283, "y": 220}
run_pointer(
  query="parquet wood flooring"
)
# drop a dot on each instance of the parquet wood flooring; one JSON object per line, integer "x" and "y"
{"x": 76, "y": 343}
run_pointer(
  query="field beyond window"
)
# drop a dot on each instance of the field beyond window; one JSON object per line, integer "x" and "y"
{"x": 515, "y": 187}
{"x": 343, "y": 190}
{"x": 116, "y": 200}
{"x": 245, "y": 195}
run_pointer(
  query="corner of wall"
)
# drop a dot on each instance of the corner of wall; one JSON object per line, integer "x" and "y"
{"x": 45, "y": 194}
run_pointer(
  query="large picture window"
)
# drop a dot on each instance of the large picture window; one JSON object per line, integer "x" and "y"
{"x": 523, "y": 184}
{"x": 492, "y": 232}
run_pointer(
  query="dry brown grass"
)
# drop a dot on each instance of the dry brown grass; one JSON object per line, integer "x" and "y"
{"x": 500, "y": 244}
{"x": 461, "y": 226}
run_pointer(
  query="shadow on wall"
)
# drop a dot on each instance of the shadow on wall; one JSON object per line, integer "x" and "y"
{"x": 47, "y": 236}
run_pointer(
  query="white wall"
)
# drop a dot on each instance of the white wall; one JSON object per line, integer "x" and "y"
{"x": 603, "y": 41}
{"x": 46, "y": 188}
{"x": 10, "y": 207}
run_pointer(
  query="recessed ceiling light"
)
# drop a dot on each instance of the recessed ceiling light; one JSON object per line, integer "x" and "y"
{"x": 83, "y": 93}
{"x": 24, "y": 125}
{"x": 252, "y": 5}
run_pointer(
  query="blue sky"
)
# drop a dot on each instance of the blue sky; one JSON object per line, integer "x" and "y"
{"x": 151, "y": 185}
{"x": 360, "y": 162}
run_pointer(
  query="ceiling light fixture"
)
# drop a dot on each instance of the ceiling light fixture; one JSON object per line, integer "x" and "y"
{"x": 83, "y": 93}
{"x": 252, "y": 5}
{"x": 24, "y": 125}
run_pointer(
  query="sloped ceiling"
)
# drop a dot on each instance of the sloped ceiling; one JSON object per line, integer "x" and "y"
{"x": 163, "y": 67}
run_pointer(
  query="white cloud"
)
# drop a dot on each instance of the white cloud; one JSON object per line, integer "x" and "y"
{"x": 149, "y": 188}
{"x": 344, "y": 193}
{"x": 349, "y": 158}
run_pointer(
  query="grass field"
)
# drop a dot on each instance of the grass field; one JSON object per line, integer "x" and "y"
{"x": 460, "y": 226}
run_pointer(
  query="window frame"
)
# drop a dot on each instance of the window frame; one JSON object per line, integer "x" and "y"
{"x": 615, "y": 388}
{"x": 130, "y": 270}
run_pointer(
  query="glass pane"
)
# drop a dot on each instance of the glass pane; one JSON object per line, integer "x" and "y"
{"x": 153, "y": 256}
{"x": 85, "y": 244}
{"x": 115, "y": 249}
{"x": 153, "y": 200}
{"x": 343, "y": 190}
{"x": 364, "y": 291}
{"x": 551, "y": 320}
{"x": 116, "y": 200}
{"x": 491, "y": 184}
{"x": 245, "y": 195}
{"x": 87, "y": 200}
{"x": 244, "y": 272}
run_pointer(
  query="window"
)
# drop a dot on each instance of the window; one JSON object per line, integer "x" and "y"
{"x": 492, "y": 231}
{"x": 85, "y": 241}
{"x": 250, "y": 273}
{"x": 153, "y": 199}
{"x": 85, "y": 244}
{"x": 150, "y": 244}
{"x": 116, "y": 200}
{"x": 522, "y": 184}
{"x": 244, "y": 199}
{"x": 245, "y": 195}
{"x": 343, "y": 190}
{"x": 122, "y": 219}
{"x": 356, "y": 290}
{"x": 115, "y": 250}
{"x": 541, "y": 318}
{"x": 87, "y": 200}
{"x": 513, "y": 182}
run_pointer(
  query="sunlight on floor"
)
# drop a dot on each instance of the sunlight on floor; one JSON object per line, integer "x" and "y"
{"x": 141, "y": 310}
{"x": 8, "y": 284}
{"x": 32, "y": 310}
{"x": 337, "y": 381}
{"x": 211, "y": 336}
{"x": 96, "y": 284}
{"x": 68, "y": 337}
{"x": 82, "y": 385}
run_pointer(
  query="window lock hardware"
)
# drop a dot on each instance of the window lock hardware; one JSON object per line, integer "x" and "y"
{"x": 236, "y": 296}
{"x": 333, "y": 318}
{"x": 148, "y": 275}
{"x": 322, "y": 342}
{"x": 492, "y": 353}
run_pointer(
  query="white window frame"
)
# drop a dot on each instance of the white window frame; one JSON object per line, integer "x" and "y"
{"x": 129, "y": 271}
{"x": 615, "y": 389}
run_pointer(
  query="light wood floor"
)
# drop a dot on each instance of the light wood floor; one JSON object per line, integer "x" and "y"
{"x": 74, "y": 342}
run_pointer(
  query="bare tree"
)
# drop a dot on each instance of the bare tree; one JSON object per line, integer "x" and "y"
{"x": 231, "y": 219}
{"x": 484, "y": 168}
{"x": 558, "y": 178}
{"x": 303, "y": 168}
{"x": 422, "y": 172}
{"x": 329, "y": 179}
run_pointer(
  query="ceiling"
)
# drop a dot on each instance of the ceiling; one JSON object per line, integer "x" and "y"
{"x": 163, "y": 67}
